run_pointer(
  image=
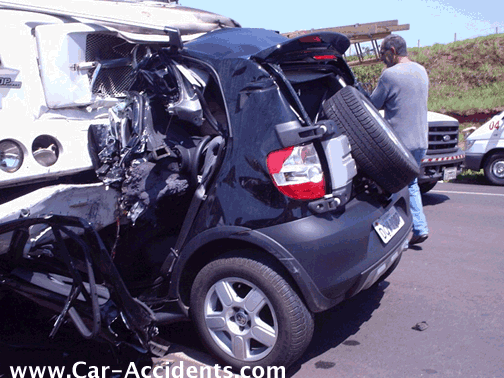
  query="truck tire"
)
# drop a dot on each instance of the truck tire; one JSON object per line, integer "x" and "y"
{"x": 248, "y": 315}
{"x": 375, "y": 147}
{"x": 494, "y": 169}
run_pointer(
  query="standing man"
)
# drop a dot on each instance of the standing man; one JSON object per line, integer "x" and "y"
{"x": 402, "y": 91}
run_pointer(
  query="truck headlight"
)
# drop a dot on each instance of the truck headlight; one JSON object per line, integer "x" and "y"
{"x": 469, "y": 144}
{"x": 11, "y": 156}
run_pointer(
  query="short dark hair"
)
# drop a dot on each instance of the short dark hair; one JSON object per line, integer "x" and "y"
{"x": 396, "y": 41}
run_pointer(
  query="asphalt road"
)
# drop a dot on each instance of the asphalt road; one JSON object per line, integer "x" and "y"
{"x": 454, "y": 282}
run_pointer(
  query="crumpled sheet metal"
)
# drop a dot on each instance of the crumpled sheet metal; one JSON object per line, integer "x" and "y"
{"x": 92, "y": 202}
{"x": 125, "y": 157}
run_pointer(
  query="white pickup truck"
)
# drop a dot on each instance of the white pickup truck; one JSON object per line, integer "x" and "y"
{"x": 444, "y": 158}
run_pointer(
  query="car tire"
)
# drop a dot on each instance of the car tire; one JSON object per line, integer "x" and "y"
{"x": 427, "y": 186}
{"x": 247, "y": 314}
{"x": 375, "y": 147}
{"x": 494, "y": 169}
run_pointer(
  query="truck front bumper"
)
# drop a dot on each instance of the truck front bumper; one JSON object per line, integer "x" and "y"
{"x": 433, "y": 166}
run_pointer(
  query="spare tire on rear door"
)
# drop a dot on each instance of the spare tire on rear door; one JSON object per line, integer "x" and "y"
{"x": 375, "y": 147}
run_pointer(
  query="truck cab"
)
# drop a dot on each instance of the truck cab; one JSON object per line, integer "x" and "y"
{"x": 44, "y": 128}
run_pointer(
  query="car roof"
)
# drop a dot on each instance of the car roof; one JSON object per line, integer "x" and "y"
{"x": 235, "y": 42}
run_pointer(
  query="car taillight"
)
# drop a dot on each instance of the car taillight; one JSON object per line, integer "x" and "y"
{"x": 310, "y": 39}
{"x": 325, "y": 57}
{"x": 297, "y": 172}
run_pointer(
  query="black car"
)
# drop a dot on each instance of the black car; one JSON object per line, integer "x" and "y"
{"x": 252, "y": 184}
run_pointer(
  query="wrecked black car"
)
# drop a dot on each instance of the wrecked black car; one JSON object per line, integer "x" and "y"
{"x": 237, "y": 178}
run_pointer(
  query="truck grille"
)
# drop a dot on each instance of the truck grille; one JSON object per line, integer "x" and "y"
{"x": 115, "y": 79}
{"x": 443, "y": 138}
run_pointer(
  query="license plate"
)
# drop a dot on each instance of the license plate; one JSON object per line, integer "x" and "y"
{"x": 388, "y": 225}
{"x": 450, "y": 173}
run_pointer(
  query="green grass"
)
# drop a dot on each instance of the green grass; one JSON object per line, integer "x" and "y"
{"x": 450, "y": 98}
{"x": 472, "y": 177}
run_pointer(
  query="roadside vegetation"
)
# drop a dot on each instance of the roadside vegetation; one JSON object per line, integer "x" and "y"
{"x": 466, "y": 81}
{"x": 466, "y": 77}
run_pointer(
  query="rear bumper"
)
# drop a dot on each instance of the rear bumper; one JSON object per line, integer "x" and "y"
{"x": 433, "y": 166}
{"x": 337, "y": 255}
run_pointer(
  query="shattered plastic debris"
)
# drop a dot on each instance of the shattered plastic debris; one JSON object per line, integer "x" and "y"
{"x": 421, "y": 326}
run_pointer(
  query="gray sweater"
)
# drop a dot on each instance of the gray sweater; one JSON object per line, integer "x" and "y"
{"x": 402, "y": 92}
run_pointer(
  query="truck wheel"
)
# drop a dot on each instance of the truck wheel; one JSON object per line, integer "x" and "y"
{"x": 248, "y": 315}
{"x": 494, "y": 169}
{"x": 375, "y": 146}
{"x": 427, "y": 186}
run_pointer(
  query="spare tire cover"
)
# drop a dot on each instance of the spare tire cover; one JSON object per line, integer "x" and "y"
{"x": 375, "y": 147}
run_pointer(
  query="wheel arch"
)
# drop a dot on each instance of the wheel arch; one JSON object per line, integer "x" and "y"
{"x": 489, "y": 154}
{"x": 210, "y": 245}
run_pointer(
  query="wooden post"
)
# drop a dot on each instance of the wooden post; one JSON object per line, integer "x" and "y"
{"x": 455, "y": 38}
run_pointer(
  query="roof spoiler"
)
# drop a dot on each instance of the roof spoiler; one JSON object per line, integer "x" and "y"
{"x": 318, "y": 41}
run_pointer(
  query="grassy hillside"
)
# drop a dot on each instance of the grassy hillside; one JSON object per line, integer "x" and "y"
{"x": 466, "y": 77}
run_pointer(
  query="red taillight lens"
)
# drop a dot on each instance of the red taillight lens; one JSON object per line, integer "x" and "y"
{"x": 297, "y": 172}
{"x": 310, "y": 39}
{"x": 325, "y": 57}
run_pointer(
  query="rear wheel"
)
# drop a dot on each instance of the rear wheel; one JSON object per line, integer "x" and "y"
{"x": 248, "y": 315}
{"x": 375, "y": 147}
{"x": 494, "y": 169}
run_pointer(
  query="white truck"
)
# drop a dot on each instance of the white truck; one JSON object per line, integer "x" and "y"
{"x": 485, "y": 149}
{"x": 444, "y": 158}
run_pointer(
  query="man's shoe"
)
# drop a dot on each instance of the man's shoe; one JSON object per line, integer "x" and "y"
{"x": 417, "y": 239}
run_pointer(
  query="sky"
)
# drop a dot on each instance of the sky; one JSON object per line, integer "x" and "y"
{"x": 431, "y": 21}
